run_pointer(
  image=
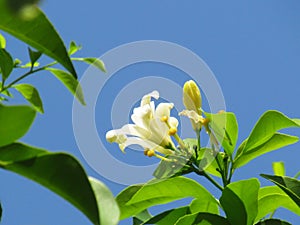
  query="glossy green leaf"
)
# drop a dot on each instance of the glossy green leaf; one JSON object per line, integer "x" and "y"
{"x": 278, "y": 168}
{"x": 141, "y": 217}
{"x": 94, "y": 62}
{"x": 15, "y": 122}
{"x": 107, "y": 206}
{"x": 70, "y": 83}
{"x": 6, "y": 63}
{"x": 225, "y": 128}
{"x": 208, "y": 162}
{"x": 169, "y": 217}
{"x": 34, "y": 56}
{"x": 38, "y": 32}
{"x": 203, "y": 219}
{"x": 59, "y": 172}
{"x": 290, "y": 186}
{"x": 271, "y": 198}
{"x": 168, "y": 169}
{"x": 198, "y": 205}
{"x": 135, "y": 199}
{"x": 206, "y": 157}
{"x": 73, "y": 48}
{"x": 239, "y": 201}
{"x": 2, "y": 41}
{"x": 269, "y": 123}
{"x": 277, "y": 141}
{"x": 31, "y": 94}
{"x": 273, "y": 222}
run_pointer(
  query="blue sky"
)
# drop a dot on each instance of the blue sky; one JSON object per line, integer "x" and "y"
{"x": 253, "y": 48}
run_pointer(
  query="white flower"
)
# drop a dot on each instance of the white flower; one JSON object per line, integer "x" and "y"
{"x": 148, "y": 130}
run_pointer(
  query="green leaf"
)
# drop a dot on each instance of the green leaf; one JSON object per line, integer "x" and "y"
{"x": 208, "y": 162}
{"x": 15, "y": 122}
{"x": 60, "y": 173}
{"x": 141, "y": 217}
{"x": 29, "y": 65}
{"x": 70, "y": 83}
{"x": 34, "y": 56}
{"x": 135, "y": 199}
{"x": 107, "y": 206}
{"x": 206, "y": 157}
{"x": 31, "y": 94}
{"x": 168, "y": 169}
{"x": 289, "y": 185}
{"x": 273, "y": 222}
{"x": 6, "y": 63}
{"x": 2, "y": 41}
{"x": 198, "y": 205}
{"x": 277, "y": 141}
{"x": 94, "y": 62}
{"x": 169, "y": 217}
{"x": 202, "y": 219}
{"x": 73, "y": 48}
{"x": 239, "y": 201}
{"x": 269, "y": 123}
{"x": 38, "y": 32}
{"x": 271, "y": 198}
{"x": 278, "y": 168}
{"x": 225, "y": 128}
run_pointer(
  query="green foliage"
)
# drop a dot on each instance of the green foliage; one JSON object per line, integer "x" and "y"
{"x": 225, "y": 128}
{"x": 92, "y": 61}
{"x": 169, "y": 217}
{"x": 107, "y": 207}
{"x": 6, "y": 64}
{"x": 31, "y": 94}
{"x": 239, "y": 201}
{"x": 135, "y": 199}
{"x": 2, "y": 41}
{"x": 62, "y": 174}
{"x": 277, "y": 141}
{"x": 15, "y": 122}
{"x": 34, "y": 56}
{"x": 271, "y": 198}
{"x": 70, "y": 82}
{"x": 273, "y": 222}
{"x": 202, "y": 219}
{"x": 73, "y": 48}
{"x": 290, "y": 186}
{"x": 278, "y": 168}
{"x": 36, "y": 32}
{"x": 265, "y": 137}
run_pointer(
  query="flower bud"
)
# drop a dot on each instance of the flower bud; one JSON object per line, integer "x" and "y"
{"x": 192, "y": 100}
{"x": 192, "y": 96}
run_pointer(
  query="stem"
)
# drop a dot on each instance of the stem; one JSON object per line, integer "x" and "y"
{"x": 198, "y": 143}
{"x": 202, "y": 173}
{"x": 31, "y": 71}
{"x": 224, "y": 180}
{"x": 231, "y": 170}
{"x": 272, "y": 214}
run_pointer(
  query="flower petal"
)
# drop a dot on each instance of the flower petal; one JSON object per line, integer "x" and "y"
{"x": 145, "y": 144}
{"x": 173, "y": 122}
{"x": 192, "y": 115}
{"x": 163, "y": 109}
{"x": 115, "y": 136}
{"x": 147, "y": 98}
